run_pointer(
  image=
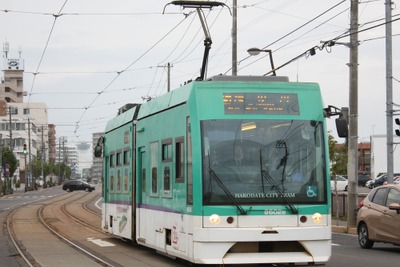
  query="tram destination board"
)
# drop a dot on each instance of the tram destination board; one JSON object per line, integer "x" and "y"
{"x": 261, "y": 103}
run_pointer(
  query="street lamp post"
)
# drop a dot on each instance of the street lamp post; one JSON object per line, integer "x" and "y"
{"x": 256, "y": 51}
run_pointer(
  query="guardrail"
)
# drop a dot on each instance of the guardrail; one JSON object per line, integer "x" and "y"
{"x": 339, "y": 204}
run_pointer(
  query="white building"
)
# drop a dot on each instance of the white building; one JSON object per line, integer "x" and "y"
{"x": 25, "y": 125}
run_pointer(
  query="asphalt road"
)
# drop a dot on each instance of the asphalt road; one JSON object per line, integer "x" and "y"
{"x": 346, "y": 252}
{"x": 345, "y": 248}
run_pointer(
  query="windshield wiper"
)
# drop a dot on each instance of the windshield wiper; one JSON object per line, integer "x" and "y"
{"x": 267, "y": 177}
{"x": 227, "y": 192}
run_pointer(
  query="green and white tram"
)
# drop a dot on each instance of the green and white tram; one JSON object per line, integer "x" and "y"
{"x": 231, "y": 170}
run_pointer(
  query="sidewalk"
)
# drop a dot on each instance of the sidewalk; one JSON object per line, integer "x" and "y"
{"x": 339, "y": 226}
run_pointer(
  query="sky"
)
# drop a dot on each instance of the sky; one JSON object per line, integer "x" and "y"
{"x": 86, "y": 59}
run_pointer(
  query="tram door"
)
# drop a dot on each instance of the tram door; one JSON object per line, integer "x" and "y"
{"x": 141, "y": 182}
{"x": 105, "y": 189}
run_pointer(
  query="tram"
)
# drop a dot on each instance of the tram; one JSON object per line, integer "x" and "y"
{"x": 229, "y": 170}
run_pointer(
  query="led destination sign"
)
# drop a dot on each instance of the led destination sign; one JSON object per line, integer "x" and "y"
{"x": 261, "y": 103}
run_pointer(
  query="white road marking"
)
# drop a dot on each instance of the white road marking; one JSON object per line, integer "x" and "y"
{"x": 100, "y": 243}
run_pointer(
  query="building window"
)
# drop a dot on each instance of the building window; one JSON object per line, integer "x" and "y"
{"x": 27, "y": 111}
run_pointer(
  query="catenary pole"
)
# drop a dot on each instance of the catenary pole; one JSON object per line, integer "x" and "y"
{"x": 234, "y": 38}
{"x": 352, "y": 165}
{"x": 389, "y": 92}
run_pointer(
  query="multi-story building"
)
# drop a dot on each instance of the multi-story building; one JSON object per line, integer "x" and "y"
{"x": 20, "y": 123}
{"x": 67, "y": 154}
{"x": 11, "y": 87}
{"x": 22, "y": 127}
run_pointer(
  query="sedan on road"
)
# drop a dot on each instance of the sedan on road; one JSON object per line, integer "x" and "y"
{"x": 73, "y": 185}
{"x": 378, "y": 219}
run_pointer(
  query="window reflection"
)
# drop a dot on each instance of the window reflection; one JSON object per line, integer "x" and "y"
{"x": 258, "y": 160}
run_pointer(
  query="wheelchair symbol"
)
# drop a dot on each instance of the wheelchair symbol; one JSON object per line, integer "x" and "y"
{"x": 311, "y": 191}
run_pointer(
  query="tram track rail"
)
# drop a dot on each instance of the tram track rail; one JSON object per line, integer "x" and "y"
{"x": 84, "y": 206}
{"x": 40, "y": 217}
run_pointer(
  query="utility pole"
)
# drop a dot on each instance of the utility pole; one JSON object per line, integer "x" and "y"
{"x": 169, "y": 77}
{"x": 389, "y": 92}
{"x": 234, "y": 38}
{"x": 352, "y": 165}
{"x": 30, "y": 152}
{"x": 11, "y": 144}
{"x": 59, "y": 160}
{"x": 42, "y": 159}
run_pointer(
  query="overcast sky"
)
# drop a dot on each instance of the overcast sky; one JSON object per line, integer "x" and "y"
{"x": 91, "y": 57}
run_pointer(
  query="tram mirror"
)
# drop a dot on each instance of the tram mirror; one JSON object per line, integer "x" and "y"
{"x": 341, "y": 127}
{"x": 98, "y": 151}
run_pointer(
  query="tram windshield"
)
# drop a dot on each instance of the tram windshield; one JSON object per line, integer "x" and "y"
{"x": 263, "y": 162}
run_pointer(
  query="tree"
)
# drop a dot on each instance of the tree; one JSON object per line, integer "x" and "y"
{"x": 337, "y": 155}
{"x": 8, "y": 157}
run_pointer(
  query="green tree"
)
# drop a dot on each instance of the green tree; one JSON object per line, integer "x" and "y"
{"x": 337, "y": 155}
{"x": 9, "y": 157}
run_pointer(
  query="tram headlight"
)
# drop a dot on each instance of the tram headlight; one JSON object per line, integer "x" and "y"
{"x": 317, "y": 217}
{"x": 215, "y": 219}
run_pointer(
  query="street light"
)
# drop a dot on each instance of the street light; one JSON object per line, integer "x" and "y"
{"x": 256, "y": 51}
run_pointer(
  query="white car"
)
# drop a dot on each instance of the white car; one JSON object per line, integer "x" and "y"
{"x": 338, "y": 182}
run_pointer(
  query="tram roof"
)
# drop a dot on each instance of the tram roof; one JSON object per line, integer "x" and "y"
{"x": 181, "y": 95}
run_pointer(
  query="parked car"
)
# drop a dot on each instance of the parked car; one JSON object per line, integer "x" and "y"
{"x": 368, "y": 183}
{"x": 378, "y": 219}
{"x": 380, "y": 180}
{"x": 363, "y": 178}
{"x": 73, "y": 185}
{"x": 341, "y": 183}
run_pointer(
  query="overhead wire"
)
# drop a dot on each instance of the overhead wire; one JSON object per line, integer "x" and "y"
{"x": 329, "y": 43}
{"x": 126, "y": 68}
{"x": 56, "y": 16}
{"x": 106, "y": 89}
{"x": 293, "y": 31}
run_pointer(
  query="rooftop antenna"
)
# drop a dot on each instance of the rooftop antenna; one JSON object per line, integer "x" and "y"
{"x": 19, "y": 51}
{"x": 6, "y": 48}
{"x": 198, "y": 5}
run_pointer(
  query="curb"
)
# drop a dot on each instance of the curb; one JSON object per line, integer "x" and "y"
{"x": 344, "y": 230}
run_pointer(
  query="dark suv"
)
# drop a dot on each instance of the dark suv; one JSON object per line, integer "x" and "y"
{"x": 73, "y": 185}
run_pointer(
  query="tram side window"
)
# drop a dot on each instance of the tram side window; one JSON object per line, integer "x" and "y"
{"x": 118, "y": 159}
{"x": 112, "y": 156}
{"x": 126, "y": 157}
{"x": 125, "y": 162}
{"x": 154, "y": 180}
{"x": 189, "y": 173}
{"x": 154, "y": 167}
{"x": 143, "y": 170}
{"x": 119, "y": 177}
{"x": 112, "y": 169}
{"x": 167, "y": 179}
{"x": 167, "y": 150}
{"x": 179, "y": 160}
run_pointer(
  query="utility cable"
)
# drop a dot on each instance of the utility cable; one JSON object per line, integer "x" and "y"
{"x": 291, "y": 32}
